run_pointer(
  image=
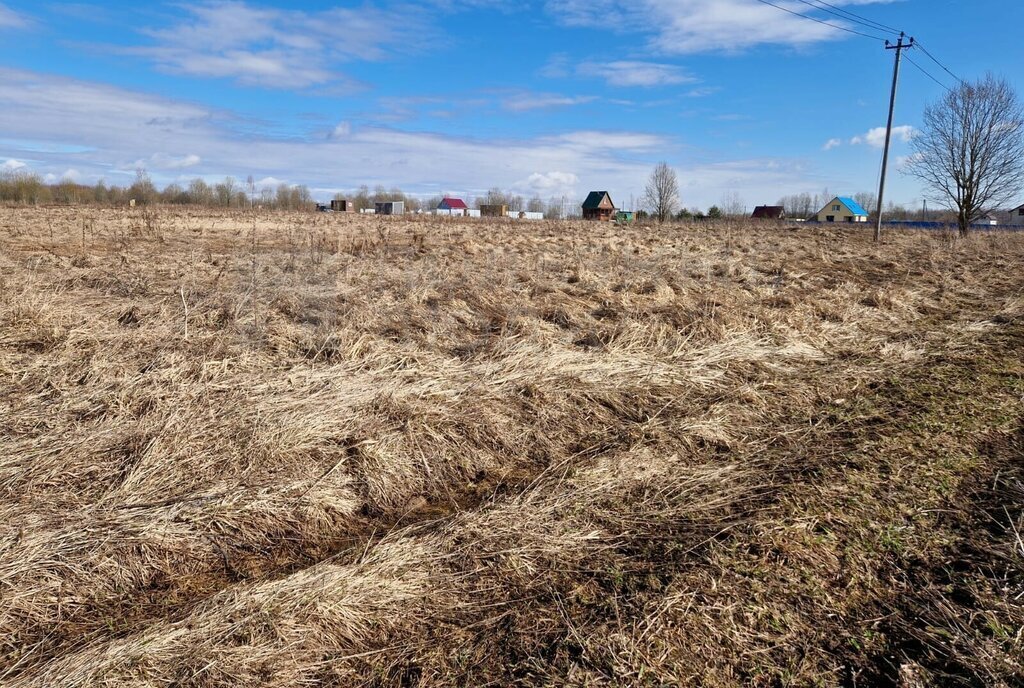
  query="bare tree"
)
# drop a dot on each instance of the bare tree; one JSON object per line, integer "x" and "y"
{"x": 970, "y": 151}
{"x": 225, "y": 191}
{"x": 143, "y": 190}
{"x": 732, "y": 205}
{"x": 199, "y": 192}
{"x": 661, "y": 196}
{"x": 867, "y": 200}
{"x": 554, "y": 208}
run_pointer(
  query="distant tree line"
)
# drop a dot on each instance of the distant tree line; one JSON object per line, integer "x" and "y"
{"x": 29, "y": 188}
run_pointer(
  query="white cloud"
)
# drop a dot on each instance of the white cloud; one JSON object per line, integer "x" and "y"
{"x": 876, "y": 137}
{"x": 548, "y": 184}
{"x": 832, "y": 143}
{"x": 9, "y": 19}
{"x": 278, "y": 48}
{"x": 91, "y": 127}
{"x": 702, "y": 91}
{"x": 343, "y": 130}
{"x": 170, "y": 162}
{"x": 626, "y": 73}
{"x": 693, "y": 26}
{"x": 521, "y": 102}
{"x": 12, "y": 165}
{"x": 123, "y": 129}
{"x": 557, "y": 67}
{"x": 71, "y": 175}
{"x": 598, "y": 140}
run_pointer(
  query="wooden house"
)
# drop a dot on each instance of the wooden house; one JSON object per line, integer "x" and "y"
{"x": 769, "y": 212}
{"x": 599, "y": 206}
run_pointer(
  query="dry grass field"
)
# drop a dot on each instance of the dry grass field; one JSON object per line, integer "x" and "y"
{"x": 316, "y": 450}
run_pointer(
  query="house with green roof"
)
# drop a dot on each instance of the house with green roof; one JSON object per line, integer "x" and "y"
{"x": 599, "y": 206}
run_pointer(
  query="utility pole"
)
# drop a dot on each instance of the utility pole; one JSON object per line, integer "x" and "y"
{"x": 899, "y": 48}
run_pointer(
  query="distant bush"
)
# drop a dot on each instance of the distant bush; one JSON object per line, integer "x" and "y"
{"x": 24, "y": 187}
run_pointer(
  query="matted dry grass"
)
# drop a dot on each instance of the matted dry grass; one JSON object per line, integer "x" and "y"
{"x": 326, "y": 450}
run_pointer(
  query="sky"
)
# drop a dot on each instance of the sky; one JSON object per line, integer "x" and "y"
{"x": 551, "y": 98}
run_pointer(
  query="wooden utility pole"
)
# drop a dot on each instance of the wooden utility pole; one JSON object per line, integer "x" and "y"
{"x": 899, "y": 48}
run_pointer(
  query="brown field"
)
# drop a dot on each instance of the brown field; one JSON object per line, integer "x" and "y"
{"x": 313, "y": 450}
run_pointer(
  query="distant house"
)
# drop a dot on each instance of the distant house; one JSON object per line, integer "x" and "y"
{"x": 769, "y": 212}
{"x": 389, "y": 208}
{"x": 599, "y": 206}
{"x": 842, "y": 209}
{"x": 452, "y": 204}
{"x": 453, "y": 207}
{"x": 1017, "y": 215}
{"x": 342, "y": 206}
{"x": 493, "y": 210}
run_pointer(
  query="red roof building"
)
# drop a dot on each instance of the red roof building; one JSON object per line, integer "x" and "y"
{"x": 452, "y": 204}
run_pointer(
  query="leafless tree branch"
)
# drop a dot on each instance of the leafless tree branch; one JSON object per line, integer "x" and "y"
{"x": 661, "y": 196}
{"x": 970, "y": 152}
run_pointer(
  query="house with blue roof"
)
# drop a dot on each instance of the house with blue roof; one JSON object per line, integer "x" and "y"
{"x": 842, "y": 209}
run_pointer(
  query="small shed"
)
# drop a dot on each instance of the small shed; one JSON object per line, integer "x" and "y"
{"x": 493, "y": 210}
{"x": 843, "y": 209}
{"x": 769, "y": 212}
{"x": 340, "y": 205}
{"x": 625, "y": 217}
{"x": 599, "y": 206}
{"x": 1017, "y": 214}
{"x": 389, "y": 207}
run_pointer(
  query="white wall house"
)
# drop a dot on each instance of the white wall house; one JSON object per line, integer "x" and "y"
{"x": 843, "y": 209}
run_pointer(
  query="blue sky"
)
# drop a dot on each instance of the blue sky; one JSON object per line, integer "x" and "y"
{"x": 544, "y": 98}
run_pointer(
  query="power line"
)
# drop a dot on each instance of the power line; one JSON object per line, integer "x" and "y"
{"x": 820, "y": 21}
{"x": 926, "y": 72}
{"x": 851, "y": 16}
{"x": 936, "y": 61}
